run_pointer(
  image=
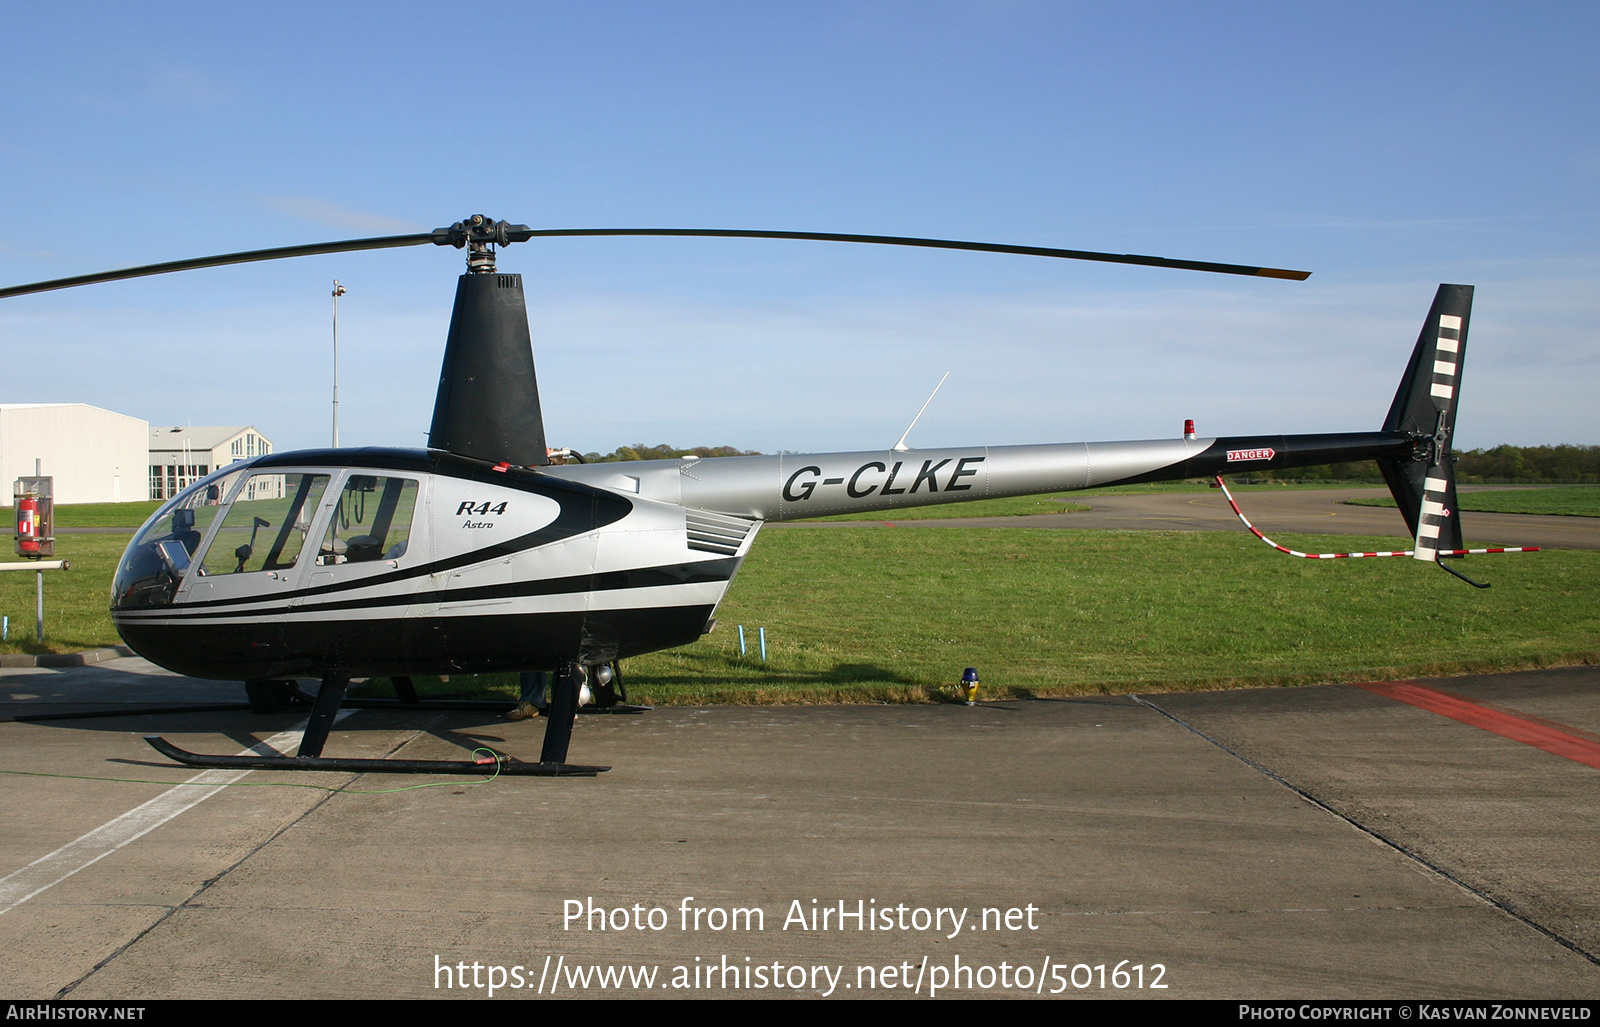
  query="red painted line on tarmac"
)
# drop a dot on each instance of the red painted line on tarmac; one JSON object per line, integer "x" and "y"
{"x": 1556, "y": 739}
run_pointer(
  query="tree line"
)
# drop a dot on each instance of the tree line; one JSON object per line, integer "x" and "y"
{"x": 640, "y": 451}
{"x": 1502, "y": 465}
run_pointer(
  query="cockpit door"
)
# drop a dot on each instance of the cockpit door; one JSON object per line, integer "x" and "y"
{"x": 256, "y": 554}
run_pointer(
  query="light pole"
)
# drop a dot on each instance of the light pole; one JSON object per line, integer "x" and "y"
{"x": 338, "y": 290}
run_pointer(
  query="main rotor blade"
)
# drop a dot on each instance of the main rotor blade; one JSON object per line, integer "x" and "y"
{"x": 940, "y": 244}
{"x": 378, "y": 243}
{"x": 480, "y": 232}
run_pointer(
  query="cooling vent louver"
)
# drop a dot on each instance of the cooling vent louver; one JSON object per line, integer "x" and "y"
{"x": 717, "y": 533}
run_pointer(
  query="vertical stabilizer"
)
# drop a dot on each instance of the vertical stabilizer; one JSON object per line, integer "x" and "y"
{"x": 1424, "y": 481}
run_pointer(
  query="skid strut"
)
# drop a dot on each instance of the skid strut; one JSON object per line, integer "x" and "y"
{"x": 563, "y": 711}
{"x": 552, "y": 761}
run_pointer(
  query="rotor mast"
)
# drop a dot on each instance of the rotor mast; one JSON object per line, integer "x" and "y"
{"x": 487, "y": 405}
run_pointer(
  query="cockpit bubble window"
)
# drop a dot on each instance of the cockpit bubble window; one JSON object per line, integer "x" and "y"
{"x": 161, "y": 553}
{"x": 266, "y": 527}
{"x": 372, "y": 521}
{"x": 188, "y": 517}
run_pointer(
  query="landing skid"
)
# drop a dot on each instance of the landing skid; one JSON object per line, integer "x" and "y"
{"x": 325, "y": 707}
{"x": 508, "y": 765}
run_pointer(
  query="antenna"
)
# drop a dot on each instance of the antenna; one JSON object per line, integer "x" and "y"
{"x": 901, "y": 447}
{"x": 338, "y": 290}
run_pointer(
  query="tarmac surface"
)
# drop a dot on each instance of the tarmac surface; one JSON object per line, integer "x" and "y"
{"x": 1296, "y": 511}
{"x": 1316, "y": 842}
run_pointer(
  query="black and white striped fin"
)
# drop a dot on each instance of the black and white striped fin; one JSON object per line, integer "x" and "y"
{"x": 1423, "y": 481}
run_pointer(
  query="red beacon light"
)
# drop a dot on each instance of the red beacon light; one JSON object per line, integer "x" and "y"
{"x": 1188, "y": 429}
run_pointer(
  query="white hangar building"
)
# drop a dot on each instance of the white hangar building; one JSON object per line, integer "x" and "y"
{"x": 95, "y": 455}
{"x": 181, "y": 456}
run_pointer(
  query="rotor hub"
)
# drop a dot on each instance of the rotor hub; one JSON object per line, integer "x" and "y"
{"x": 479, "y": 235}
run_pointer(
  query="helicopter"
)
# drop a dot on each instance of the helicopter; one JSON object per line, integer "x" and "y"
{"x": 478, "y": 554}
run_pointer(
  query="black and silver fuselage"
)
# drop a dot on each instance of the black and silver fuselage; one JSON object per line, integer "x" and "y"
{"x": 474, "y": 568}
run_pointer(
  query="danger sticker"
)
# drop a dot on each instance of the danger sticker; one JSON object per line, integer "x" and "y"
{"x": 1235, "y": 455}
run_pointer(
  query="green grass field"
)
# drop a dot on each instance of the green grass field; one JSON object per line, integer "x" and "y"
{"x": 1572, "y": 501}
{"x": 889, "y": 615}
{"x": 896, "y": 615}
{"x": 105, "y": 515}
{"x": 76, "y": 601}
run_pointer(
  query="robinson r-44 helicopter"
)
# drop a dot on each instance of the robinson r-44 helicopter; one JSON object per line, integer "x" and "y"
{"x": 476, "y": 554}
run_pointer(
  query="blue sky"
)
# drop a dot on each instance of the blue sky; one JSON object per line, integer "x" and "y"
{"x": 1385, "y": 147}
